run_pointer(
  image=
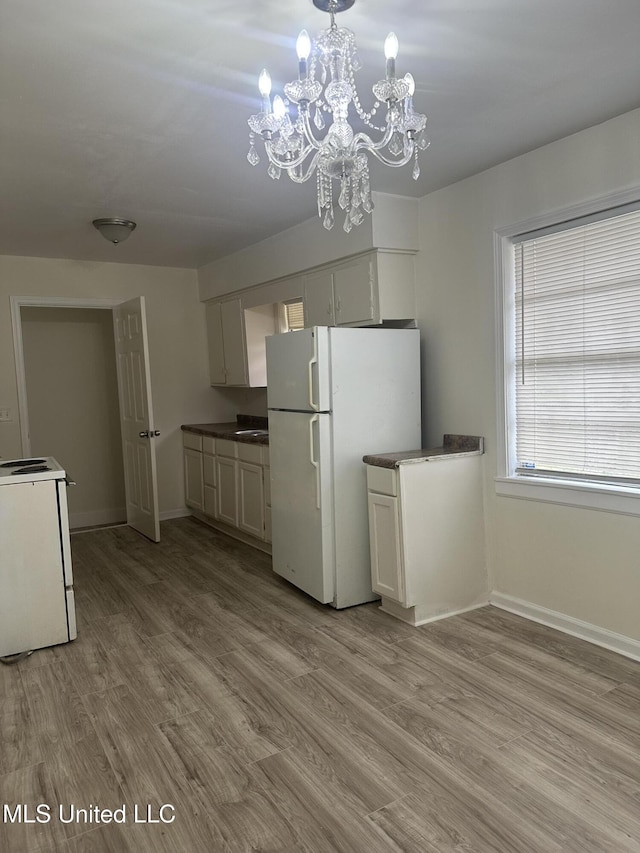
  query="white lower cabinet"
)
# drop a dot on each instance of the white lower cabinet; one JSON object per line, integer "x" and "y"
{"x": 227, "y": 489}
{"x": 228, "y": 481}
{"x": 426, "y": 532}
{"x": 193, "y": 482}
{"x": 209, "y": 476}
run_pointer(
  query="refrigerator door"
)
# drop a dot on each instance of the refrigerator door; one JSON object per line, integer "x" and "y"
{"x": 301, "y": 501}
{"x": 298, "y": 371}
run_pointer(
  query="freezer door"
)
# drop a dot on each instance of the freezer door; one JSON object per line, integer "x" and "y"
{"x": 298, "y": 372}
{"x": 301, "y": 501}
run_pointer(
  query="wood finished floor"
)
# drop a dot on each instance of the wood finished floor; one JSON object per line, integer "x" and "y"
{"x": 271, "y": 723}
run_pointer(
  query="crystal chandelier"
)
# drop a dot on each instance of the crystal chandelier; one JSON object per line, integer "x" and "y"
{"x": 340, "y": 154}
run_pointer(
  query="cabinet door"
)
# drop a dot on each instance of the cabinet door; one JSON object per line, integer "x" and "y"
{"x": 227, "y": 490}
{"x": 235, "y": 351}
{"x": 318, "y": 299}
{"x": 209, "y": 484}
{"x": 354, "y": 292}
{"x": 387, "y": 570}
{"x": 250, "y": 499}
{"x": 215, "y": 343}
{"x": 193, "y": 486}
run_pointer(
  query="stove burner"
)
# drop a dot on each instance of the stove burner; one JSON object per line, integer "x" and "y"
{"x": 20, "y": 463}
{"x": 32, "y": 469}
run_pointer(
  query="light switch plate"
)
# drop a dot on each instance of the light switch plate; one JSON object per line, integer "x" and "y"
{"x": 5, "y": 414}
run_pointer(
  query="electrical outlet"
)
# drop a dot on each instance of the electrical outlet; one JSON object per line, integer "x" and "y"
{"x": 5, "y": 414}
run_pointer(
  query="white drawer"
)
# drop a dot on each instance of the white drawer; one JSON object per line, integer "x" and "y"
{"x": 208, "y": 444}
{"x": 250, "y": 453}
{"x": 382, "y": 480}
{"x": 224, "y": 447}
{"x": 192, "y": 440}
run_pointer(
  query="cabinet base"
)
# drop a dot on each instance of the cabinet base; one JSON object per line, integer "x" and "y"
{"x": 421, "y": 614}
{"x": 221, "y": 527}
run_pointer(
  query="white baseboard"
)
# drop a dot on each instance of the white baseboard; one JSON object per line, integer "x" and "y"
{"x": 619, "y": 643}
{"x": 97, "y": 518}
{"x": 168, "y": 514}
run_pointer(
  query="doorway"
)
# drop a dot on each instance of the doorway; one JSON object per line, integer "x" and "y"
{"x": 127, "y": 343}
{"x": 73, "y": 410}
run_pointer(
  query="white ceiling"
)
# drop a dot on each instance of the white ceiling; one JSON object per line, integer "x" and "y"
{"x": 139, "y": 109}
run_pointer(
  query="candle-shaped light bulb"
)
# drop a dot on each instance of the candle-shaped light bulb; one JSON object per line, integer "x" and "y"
{"x": 411, "y": 83}
{"x": 264, "y": 87}
{"x": 264, "y": 83}
{"x": 390, "y": 54}
{"x": 303, "y": 49}
{"x": 279, "y": 109}
{"x": 303, "y": 45}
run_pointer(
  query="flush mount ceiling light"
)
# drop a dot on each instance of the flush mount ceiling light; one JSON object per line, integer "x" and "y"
{"x": 114, "y": 230}
{"x": 341, "y": 154}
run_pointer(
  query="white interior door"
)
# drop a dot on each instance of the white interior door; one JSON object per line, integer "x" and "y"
{"x": 136, "y": 417}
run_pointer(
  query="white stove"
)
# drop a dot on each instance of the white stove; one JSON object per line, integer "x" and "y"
{"x": 32, "y": 469}
{"x": 37, "y": 606}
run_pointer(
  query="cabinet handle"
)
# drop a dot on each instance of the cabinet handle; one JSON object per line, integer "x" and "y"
{"x": 313, "y": 419}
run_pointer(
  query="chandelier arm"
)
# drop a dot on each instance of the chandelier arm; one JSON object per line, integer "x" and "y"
{"x": 363, "y": 140}
{"x": 394, "y": 163}
{"x": 287, "y": 164}
{"x": 305, "y": 115}
{"x": 300, "y": 179}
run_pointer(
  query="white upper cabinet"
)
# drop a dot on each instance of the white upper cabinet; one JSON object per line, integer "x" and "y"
{"x": 364, "y": 291}
{"x": 236, "y": 339}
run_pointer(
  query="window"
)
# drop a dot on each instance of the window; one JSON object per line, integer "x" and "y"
{"x": 572, "y": 354}
{"x": 293, "y": 315}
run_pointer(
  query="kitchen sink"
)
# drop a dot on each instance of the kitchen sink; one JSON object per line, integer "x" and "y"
{"x": 251, "y": 432}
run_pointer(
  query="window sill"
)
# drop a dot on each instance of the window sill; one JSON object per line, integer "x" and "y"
{"x": 619, "y": 499}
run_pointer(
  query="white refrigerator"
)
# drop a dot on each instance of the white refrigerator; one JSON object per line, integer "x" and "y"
{"x": 334, "y": 395}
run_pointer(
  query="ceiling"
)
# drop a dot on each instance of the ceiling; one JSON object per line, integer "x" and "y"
{"x": 140, "y": 109}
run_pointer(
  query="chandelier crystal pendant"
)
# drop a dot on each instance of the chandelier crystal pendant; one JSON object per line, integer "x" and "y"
{"x": 320, "y": 139}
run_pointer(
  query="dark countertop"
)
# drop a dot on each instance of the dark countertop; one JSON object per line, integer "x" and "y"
{"x": 453, "y": 447}
{"x": 228, "y": 429}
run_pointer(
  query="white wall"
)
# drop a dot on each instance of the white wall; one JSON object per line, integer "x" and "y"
{"x": 582, "y": 563}
{"x": 72, "y": 392}
{"x": 177, "y": 345}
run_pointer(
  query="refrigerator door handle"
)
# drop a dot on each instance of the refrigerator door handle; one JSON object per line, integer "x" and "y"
{"x": 313, "y": 360}
{"x": 313, "y": 460}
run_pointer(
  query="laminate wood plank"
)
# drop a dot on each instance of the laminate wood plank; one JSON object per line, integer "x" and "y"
{"x": 340, "y": 761}
{"x": 594, "y": 658}
{"x": 530, "y": 795}
{"x": 623, "y": 725}
{"x": 414, "y": 825}
{"x": 613, "y": 800}
{"x": 19, "y": 742}
{"x": 30, "y": 787}
{"x": 146, "y": 770}
{"x": 322, "y": 821}
{"x": 58, "y": 716}
{"x": 468, "y": 803}
{"x": 577, "y": 675}
{"x": 226, "y": 788}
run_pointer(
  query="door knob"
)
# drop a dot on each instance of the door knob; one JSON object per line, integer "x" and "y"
{"x": 156, "y": 432}
{"x": 144, "y": 434}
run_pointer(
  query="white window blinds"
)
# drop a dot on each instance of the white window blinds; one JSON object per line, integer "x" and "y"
{"x": 294, "y": 315}
{"x": 577, "y": 325}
